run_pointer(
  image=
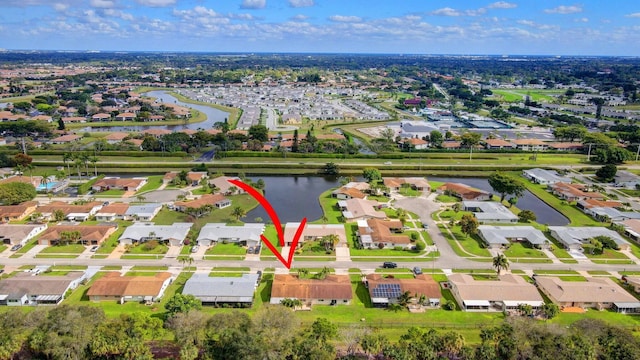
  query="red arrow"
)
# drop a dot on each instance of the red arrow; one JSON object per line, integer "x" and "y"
{"x": 276, "y": 222}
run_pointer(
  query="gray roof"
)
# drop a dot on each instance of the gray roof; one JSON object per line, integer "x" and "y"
{"x": 501, "y": 234}
{"x": 489, "y": 210}
{"x": 25, "y": 283}
{"x": 546, "y": 175}
{"x": 222, "y": 289}
{"x": 142, "y": 209}
{"x": 141, "y": 230}
{"x": 579, "y": 235}
{"x": 215, "y": 231}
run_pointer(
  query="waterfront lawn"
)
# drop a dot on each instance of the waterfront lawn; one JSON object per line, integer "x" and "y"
{"x": 523, "y": 250}
{"x": 226, "y": 249}
{"x": 577, "y": 217}
{"x": 153, "y": 182}
{"x": 330, "y": 208}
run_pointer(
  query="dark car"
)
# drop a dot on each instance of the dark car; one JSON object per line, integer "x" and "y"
{"x": 389, "y": 265}
{"x": 16, "y": 247}
{"x": 417, "y": 271}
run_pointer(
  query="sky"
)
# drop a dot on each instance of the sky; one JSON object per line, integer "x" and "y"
{"x": 529, "y": 27}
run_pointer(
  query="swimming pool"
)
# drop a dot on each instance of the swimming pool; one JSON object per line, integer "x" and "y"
{"x": 48, "y": 186}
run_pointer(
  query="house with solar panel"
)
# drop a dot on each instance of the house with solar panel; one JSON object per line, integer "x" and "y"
{"x": 423, "y": 290}
{"x": 222, "y": 291}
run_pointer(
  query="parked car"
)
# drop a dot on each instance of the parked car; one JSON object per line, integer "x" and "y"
{"x": 417, "y": 271}
{"x": 94, "y": 248}
{"x": 16, "y": 247}
{"x": 389, "y": 265}
{"x": 195, "y": 248}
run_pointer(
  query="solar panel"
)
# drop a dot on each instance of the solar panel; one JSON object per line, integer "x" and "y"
{"x": 387, "y": 291}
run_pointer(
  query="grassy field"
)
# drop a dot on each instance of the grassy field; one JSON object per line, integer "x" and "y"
{"x": 518, "y": 95}
{"x": 523, "y": 250}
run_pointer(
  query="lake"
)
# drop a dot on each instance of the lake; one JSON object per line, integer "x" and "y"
{"x": 213, "y": 116}
{"x": 295, "y": 197}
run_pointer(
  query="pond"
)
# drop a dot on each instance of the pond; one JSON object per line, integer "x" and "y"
{"x": 296, "y": 197}
{"x": 213, "y": 116}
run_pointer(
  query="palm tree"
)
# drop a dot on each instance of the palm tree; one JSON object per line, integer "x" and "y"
{"x": 85, "y": 161}
{"x": 500, "y": 262}
{"x": 140, "y": 198}
{"x": 190, "y": 260}
{"x": 94, "y": 160}
{"x": 66, "y": 159}
{"x": 238, "y": 212}
{"x": 77, "y": 162}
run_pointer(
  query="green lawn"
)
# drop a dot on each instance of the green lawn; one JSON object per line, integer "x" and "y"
{"x": 141, "y": 249}
{"x": 407, "y": 191}
{"x": 472, "y": 244}
{"x": 330, "y": 209}
{"x": 226, "y": 249}
{"x": 153, "y": 182}
{"x": 523, "y": 250}
{"x": 110, "y": 244}
{"x": 607, "y": 254}
{"x": 447, "y": 199}
{"x": 111, "y": 192}
{"x": 64, "y": 249}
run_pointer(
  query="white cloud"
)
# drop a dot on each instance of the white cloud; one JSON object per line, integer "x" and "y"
{"x": 502, "y": 5}
{"x": 104, "y": 4}
{"x": 446, "y": 12}
{"x": 118, "y": 14}
{"x": 60, "y": 7}
{"x": 253, "y": 4}
{"x": 345, "y": 19}
{"x": 156, "y": 3}
{"x": 536, "y": 25}
{"x": 299, "y": 17}
{"x": 563, "y": 9}
{"x": 582, "y": 20}
{"x": 301, "y": 3}
{"x": 634, "y": 15}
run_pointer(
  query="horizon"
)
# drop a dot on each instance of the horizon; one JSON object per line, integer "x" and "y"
{"x": 453, "y": 27}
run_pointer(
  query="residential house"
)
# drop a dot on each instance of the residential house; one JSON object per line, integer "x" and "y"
{"x": 415, "y": 143}
{"x": 345, "y": 193}
{"x": 387, "y": 290}
{"x": 379, "y": 234}
{"x": 464, "y": 192}
{"x": 530, "y": 144}
{"x": 114, "y": 287}
{"x": 218, "y": 291}
{"x": 116, "y": 137}
{"x": 17, "y": 212}
{"x": 544, "y": 177}
{"x": 142, "y": 212}
{"x": 332, "y": 290}
{"x": 489, "y": 212}
{"x": 88, "y": 234}
{"x": 222, "y": 185}
{"x": 597, "y": 292}
{"x": 20, "y": 234}
{"x": 606, "y": 210}
{"x": 632, "y": 229}
{"x": 66, "y": 139}
{"x": 313, "y": 232}
{"x": 72, "y": 212}
{"x": 504, "y": 294}
{"x": 126, "y": 184}
{"x": 73, "y": 119}
{"x": 565, "y": 146}
{"x": 101, "y": 117}
{"x": 451, "y": 145}
{"x": 415, "y": 183}
{"x": 626, "y": 179}
{"x": 141, "y": 232}
{"x": 246, "y": 235}
{"x": 573, "y": 192}
{"x": 498, "y": 144}
{"x": 502, "y": 236}
{"x": 203, "y": 204}
{"x": 360, "y": 209}
{"x": 633, "y": 282}
{"x": 193, "y": 178}
{"x": 127, "y": 116}
{"x": 112, "y": 212}
{"x": 574, "y": 237}
{"x": 25, "y": 289}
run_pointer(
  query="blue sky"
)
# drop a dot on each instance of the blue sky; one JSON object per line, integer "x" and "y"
{"x": 588, "y": 27}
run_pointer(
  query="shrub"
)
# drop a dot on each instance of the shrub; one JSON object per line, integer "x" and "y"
{"x": 150, "y": 245}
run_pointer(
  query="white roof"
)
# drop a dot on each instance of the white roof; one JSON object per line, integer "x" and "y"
{"x": 141, "y": 230}
{"x": 502, "y": 234}
{"x": 476, "y": 303}
{"x": 489, "y": 210}
{"x": 215, "y": 231}
{"x": 578, "y": 235}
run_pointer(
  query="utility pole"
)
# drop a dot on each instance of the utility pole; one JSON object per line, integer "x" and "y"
{"x": 637, "y": 152}
{"x": 589, "y": 153}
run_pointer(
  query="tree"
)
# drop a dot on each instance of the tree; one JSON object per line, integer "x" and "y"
{"x": 275, "y": 326}
{"x": 140, "y": 198}
{"x": 468, "y": 224}
{"x": 526, "y": 216}
{"x": 506, "y": 185}
{"x": 259, "y": 132}
{"x": 512, "y": 201}
{"x": 598, "y": 102}
{"x": 13, "y": 193}
{"x": 470, "y": 139}
{"x": 371, "y": 174}
{"x": 435, "y": 138}
{"x": 66, "y": 159}
{"x": 329, "y": 241}
{"x": 500, "y": 262}
{"x": 189, "y": 331}
{"x": 70, "y": 237}
{"x": 550, "y": 310}
{"x": 238, "y": 212}
{"x": 607, "y": 172}
{"x": 331, "y": 169}
{"x": 58, "y": 215}
{"x": 61, "y": 125}
{"x": 124, "y": 337}
{"x": 94, "y": 160}
{"x": 182, "y": 303}
{"x": 373, "y": 343}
